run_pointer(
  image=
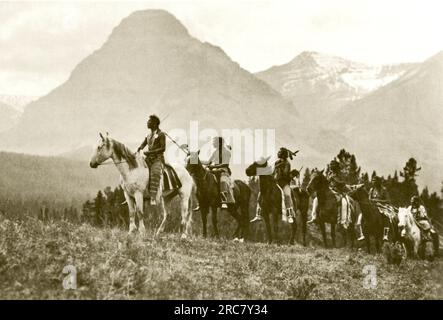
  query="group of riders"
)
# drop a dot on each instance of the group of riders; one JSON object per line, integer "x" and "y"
{"x": 286, "y": 179}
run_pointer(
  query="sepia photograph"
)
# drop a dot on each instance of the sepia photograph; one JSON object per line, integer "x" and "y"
{"x": 221, "y": 155}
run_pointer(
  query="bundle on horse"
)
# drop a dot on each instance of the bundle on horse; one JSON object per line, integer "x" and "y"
{"x": 208, "y": 194}
{"x": 134, "y": 177}
{"x": 330, "y": 208}
{"x": 271, "y": 198}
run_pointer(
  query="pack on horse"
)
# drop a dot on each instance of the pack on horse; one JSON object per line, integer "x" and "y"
{"x": 276, "y": 198}
{"x": 331, "y": 205}
{"x": 137, "y": 175}
{"x": 210, "y": 198}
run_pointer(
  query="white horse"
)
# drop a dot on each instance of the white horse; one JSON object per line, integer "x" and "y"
{"x": 134, "y": 177}
{"x": 409, "y": 230}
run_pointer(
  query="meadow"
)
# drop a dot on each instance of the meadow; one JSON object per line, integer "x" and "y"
{"x": 110, "y": 264}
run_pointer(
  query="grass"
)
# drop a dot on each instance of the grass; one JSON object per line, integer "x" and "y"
{"x": 112, "y": 265}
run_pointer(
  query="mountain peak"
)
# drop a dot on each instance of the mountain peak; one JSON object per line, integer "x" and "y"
{"x": 149, "y": 23}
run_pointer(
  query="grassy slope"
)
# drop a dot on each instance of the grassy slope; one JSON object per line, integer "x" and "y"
{"x": 112, "y": 265}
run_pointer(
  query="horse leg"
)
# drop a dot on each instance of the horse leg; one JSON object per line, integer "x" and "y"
{"x": 131, "y": 206}
{"x": 244, "y": 217}
{"x": 368, "y": 241}
{"x": 265, "y": 215}
{"x": 204, "y": 215}
{"x": 333, "y": 234}
{"x": 165, "y": 216}
{"x": 139, "y": 211}
{"x": 323, "y": 233}
{"x": 275, "y": 218}
{"x": 186, "y": 215}
{"x": 304, "y": 226}
{"x": 214, "y": 221}
{"x": 233, "y": 211}
{"x": 293, "y": 232}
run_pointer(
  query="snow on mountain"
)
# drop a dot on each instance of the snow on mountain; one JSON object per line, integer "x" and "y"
{"x": 320, "y": 84}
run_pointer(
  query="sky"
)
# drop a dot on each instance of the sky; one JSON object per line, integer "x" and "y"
{"x": 41, "y": 42}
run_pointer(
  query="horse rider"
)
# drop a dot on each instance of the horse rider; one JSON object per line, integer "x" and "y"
{"x": 156, "y": 142}
{"x": 218, "y": 163}
{"x": 336, "y": 184}
{"x": 379, "y": 196}
{"x": 282, "y": 174}
{"x": 283, "y": 177}
{"x": 420, "y": 215}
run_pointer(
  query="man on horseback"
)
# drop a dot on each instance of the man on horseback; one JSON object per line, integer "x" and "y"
{"x": 336, "y": 184}
{"x": 283, "y": 176}
{"x": 379, "y": 196}
{"x": 156, "y": 142}
{"x": 218, "y": 163}
{"x": 420, "y": 215}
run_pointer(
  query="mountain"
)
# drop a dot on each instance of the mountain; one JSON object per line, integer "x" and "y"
{"x": 319, "y": 84}
{"x": 18, "y": 102}
{"x": 400, "y": 120}
{"x": 149, "y": 64}
{"x": 8, "y": 116}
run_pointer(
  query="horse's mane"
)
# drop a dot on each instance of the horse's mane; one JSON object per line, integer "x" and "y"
{"x": 122, "y": 152}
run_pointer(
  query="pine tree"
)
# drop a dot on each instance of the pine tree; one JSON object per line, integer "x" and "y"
{"x": 345, "y": 165}
{"x": 99, "y": 203}
{"x": 364, "y": 178}
{"x": 409, "y": 186}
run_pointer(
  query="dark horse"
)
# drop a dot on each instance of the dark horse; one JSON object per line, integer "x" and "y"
{"x": 208, "y": 195}
{"x": 373, "y": 220}
{"x": 301, "y": 198}
{"x": 271, "y": 202}
{"x": 328, "y": 207}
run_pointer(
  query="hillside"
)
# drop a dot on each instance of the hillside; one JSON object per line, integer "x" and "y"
{"x": 8, "y": 116}
{"x": 51, "y": 178}
{"x": 112, "y": 265}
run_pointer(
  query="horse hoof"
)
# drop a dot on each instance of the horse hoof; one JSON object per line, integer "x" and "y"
{"x": 236, "y": 239}
{"x": 183, "y": 237}
{"x": 241, "y": 240}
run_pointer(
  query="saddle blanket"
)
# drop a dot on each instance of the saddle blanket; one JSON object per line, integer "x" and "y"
{"x": 388, "y": 210}
{"x": 171, "y": 180}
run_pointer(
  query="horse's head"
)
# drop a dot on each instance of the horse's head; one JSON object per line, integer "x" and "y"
{"x": 193, "y": 163}
{"x": 102, "y": 152}
{"x": 254, "y": 168}
{"x": 404, "y": 219}
{"x": 317, "y": 181}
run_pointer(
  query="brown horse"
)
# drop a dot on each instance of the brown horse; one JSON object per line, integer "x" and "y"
{"x": 270, "y": 202}
{"x": 327, "y": 204}
{"x": 208, "y": 195}
{"x": 373, "y": 220}
{"x": 301, "y": 199}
